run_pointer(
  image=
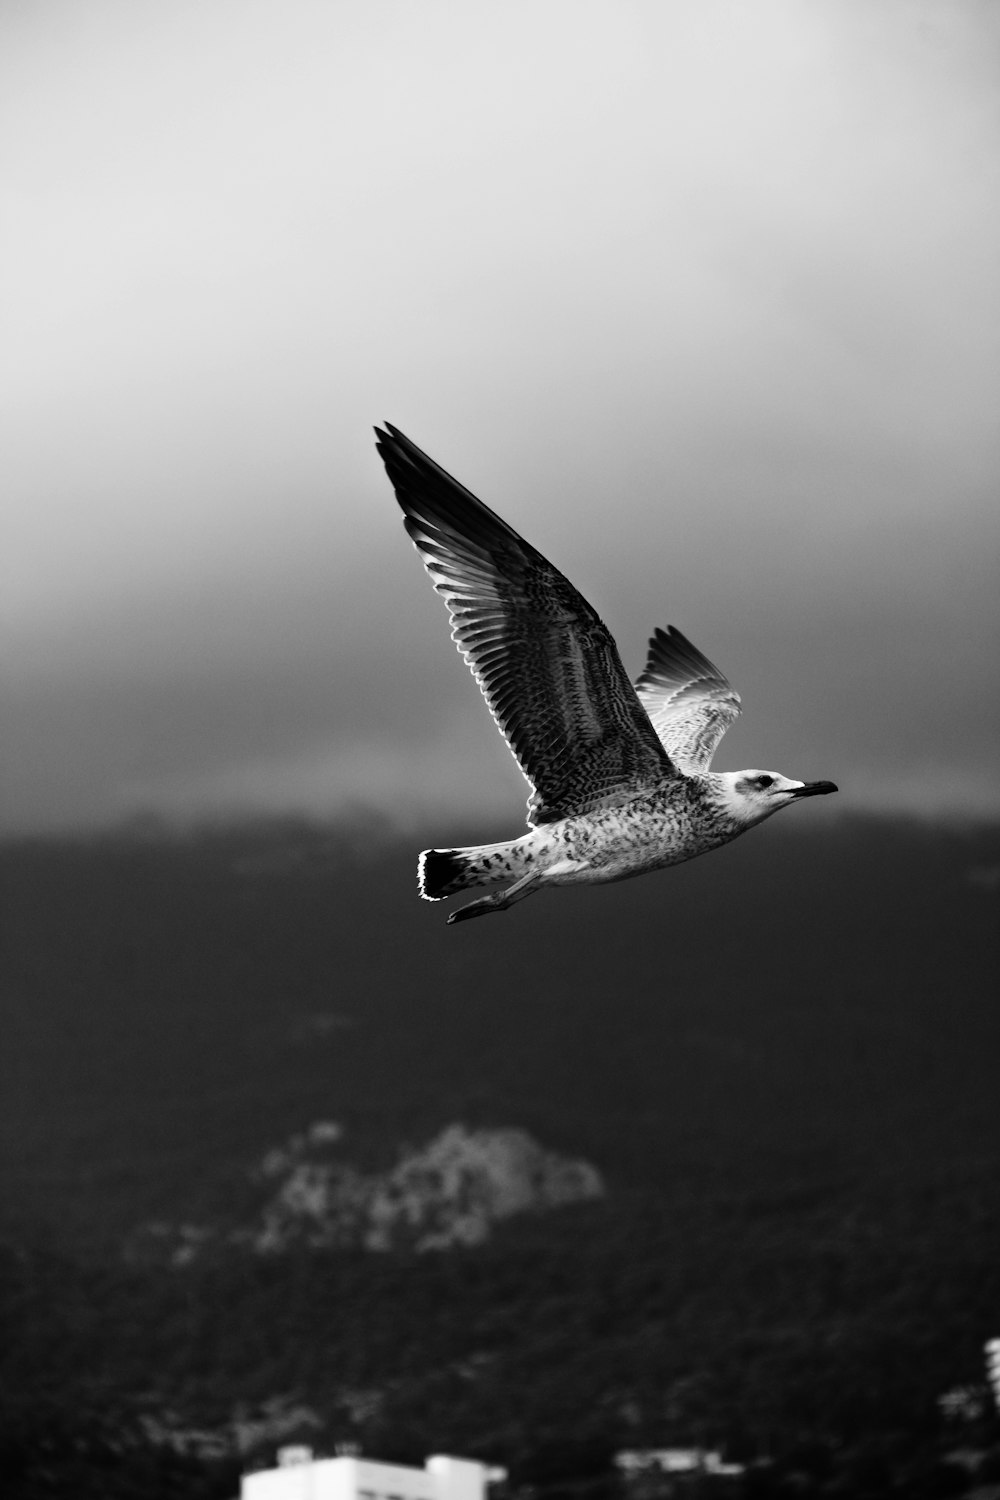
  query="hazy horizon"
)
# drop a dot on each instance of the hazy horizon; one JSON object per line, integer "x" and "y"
{"x": 704, "y": 299}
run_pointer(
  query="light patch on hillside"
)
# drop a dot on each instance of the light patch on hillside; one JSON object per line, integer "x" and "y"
{"x": 448, "y": 1193}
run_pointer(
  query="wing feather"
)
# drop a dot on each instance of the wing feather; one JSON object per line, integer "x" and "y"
{"x": 691, "y": 704}
{"x": 546, "y": 663}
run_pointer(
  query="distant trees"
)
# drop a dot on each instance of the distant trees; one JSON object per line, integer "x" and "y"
{"x": 798, "y": 1252}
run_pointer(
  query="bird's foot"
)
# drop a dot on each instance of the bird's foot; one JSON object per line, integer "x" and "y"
{"x": 480, "y": 908}
{"x": 499, "y": 901}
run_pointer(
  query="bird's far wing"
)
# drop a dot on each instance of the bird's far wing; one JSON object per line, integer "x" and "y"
{"x": 546, "y": 664}
{"x": 688, "y": 700}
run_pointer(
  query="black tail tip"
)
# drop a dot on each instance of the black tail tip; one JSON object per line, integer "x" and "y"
{"x": 437, "y": 869}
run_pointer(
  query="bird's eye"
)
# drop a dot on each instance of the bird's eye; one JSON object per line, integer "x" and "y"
{"x": 763, "y": 781}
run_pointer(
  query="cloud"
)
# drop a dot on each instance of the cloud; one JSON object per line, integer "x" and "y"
{"x": 702, "y": 297}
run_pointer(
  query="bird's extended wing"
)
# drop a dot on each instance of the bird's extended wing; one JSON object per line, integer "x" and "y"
{"x": 546, "y": 664}
{"x": 689, "y": 701}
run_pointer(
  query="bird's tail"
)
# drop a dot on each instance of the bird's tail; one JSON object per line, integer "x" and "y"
{"x": 442, "y": 872}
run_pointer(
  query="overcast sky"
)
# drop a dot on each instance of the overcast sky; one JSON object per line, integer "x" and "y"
{"x": 703, "y": 297}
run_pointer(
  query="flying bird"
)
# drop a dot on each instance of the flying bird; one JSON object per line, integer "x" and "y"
{"x": 619, "y": 774}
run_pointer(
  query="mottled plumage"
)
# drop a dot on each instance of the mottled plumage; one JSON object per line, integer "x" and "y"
{"x": 619, "y": 774}
{"x": 690, "y": 703}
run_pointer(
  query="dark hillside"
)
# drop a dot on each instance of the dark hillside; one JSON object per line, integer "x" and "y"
{"x": 782, "y": 1060}
{"x": 806, "y": 1006}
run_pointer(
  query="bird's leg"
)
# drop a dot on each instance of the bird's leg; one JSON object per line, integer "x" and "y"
{"x": 500, "y": 900}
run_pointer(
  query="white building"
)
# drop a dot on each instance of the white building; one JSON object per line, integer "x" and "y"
{"x": 301, "y": 1477}
{"x": 634, "y": 1463}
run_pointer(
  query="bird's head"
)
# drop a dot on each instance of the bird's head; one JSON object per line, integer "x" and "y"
{"x": 751, "y": 796}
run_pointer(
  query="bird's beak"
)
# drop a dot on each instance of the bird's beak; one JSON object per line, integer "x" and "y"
{"x": 813, "y": 789}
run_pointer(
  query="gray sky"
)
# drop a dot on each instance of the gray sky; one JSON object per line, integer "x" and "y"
{"x": 703, "y": 297}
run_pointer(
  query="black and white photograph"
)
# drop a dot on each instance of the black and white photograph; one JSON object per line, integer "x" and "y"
{"x": 486, "y": 459}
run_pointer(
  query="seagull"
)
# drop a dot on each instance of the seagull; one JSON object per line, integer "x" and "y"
{"x": 619, "y": 774}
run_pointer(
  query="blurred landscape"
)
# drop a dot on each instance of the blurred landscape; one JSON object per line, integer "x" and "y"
{"x": 727, "y": 1138}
